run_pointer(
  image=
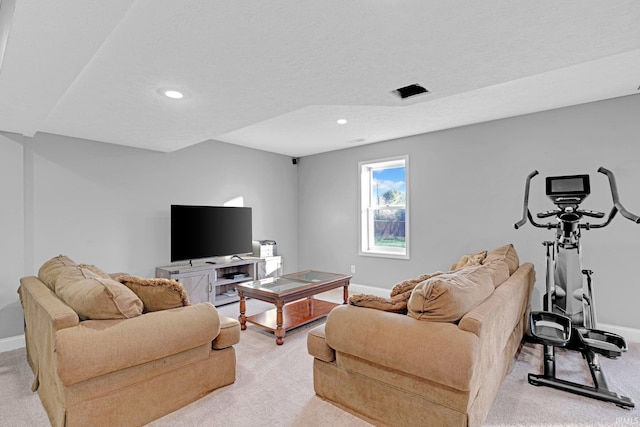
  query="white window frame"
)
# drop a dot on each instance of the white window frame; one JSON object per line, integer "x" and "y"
{"x": 367, "y": 206}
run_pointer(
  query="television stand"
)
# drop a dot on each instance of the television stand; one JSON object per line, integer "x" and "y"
{"x": 216, "y": 281}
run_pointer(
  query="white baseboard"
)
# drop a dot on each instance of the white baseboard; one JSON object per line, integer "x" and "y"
{"x": 363, "y": 289}
{"x": 629, "y": 334}
{"x": 11, "y": 343}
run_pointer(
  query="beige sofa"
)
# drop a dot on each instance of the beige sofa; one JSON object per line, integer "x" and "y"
{"x": 123, "y": 371}
{"x": 409, "y": 370}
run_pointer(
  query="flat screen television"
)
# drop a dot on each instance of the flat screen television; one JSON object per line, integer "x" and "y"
{"x": 209, "y": 231}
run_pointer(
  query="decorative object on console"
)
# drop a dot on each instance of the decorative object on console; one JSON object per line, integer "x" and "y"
{"x": 264, "y": 248}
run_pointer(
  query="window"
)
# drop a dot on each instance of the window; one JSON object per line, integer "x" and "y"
{"x": 384, "y": 208}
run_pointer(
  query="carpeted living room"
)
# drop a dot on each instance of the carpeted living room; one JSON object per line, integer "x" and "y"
{"x": 294, "y": 112}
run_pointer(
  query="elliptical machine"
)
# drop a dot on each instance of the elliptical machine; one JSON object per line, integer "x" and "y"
{"x": 569, "y": 317}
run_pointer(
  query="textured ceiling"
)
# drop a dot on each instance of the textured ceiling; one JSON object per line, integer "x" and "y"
{"x": 277, "y": 75}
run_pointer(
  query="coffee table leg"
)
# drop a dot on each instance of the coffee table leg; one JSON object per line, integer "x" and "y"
{"x": 346, "y": 293}
{"x": 279, "y": 332}
{"x": 242, "y": 318}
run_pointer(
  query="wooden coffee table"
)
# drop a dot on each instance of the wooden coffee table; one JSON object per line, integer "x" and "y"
{"x": 292, "y": 294}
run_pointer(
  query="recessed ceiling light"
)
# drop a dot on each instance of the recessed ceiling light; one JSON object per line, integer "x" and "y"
{"x": 174, "y": 94}
{"x": 341, "y": 121}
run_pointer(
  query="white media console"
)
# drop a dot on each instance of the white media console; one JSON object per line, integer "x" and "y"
{"x": 215, "y": 283}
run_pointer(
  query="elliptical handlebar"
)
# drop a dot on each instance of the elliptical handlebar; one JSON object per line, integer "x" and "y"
{"x": 617, "y": 207}
{"x": 525, "y": 206}
{"x": 616, "y": 200}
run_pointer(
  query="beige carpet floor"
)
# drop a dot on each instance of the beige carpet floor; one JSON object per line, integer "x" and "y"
{"x": 274, "y": 387}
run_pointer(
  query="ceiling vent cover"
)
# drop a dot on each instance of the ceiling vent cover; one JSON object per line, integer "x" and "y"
{"x": 409, "y": 91}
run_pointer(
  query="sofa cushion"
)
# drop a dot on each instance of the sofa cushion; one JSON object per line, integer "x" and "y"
{"x": 448, "y": 297}
{"x": 50, "y": 270}
{"x": 506, "y": 253}
{"x": 438, "y": 352}
{"x": 95, "y": 348}
{"x": 95, "y": 297}
{"x": 156, "y": 294}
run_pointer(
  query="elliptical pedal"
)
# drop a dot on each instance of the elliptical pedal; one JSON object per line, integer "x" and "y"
{"x": 550, "y": 328}
{"x": 605, "y": 343}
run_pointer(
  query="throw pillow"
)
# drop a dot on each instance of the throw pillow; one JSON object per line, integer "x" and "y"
{"x": 408, "y": 285}
{"x": 449, "y": 296}
{"x": 506, "y": 253}
{"x": 470, "y": 260}
{"x": 50, "y": 270}
{"x": 94, "y": 297}
{"x": 397, "y": 302}
{"x": 499, "y": 271}
{"x": 156, "y": 294}
{"x": 95, "y": 270}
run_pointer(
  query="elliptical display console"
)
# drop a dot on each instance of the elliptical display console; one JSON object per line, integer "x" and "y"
{"x": 568, "y": 318}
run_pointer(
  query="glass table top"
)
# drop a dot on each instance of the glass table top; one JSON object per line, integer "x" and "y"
{"x": 290, "y": 281}
{"x": 312, "y": 276}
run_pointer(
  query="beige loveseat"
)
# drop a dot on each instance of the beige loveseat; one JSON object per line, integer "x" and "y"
{"x": 129, "y": 365}
{"x": 423, "y": 369}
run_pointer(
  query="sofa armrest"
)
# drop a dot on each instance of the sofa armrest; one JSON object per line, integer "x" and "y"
{"x": 43, "y": 308}
{"x": 97, "y": 347}
{"x": 317, "y": 345}
{"x": 504, "y": 309}
{"x": 436, "y": 351}
{"x": 229, "y": 333}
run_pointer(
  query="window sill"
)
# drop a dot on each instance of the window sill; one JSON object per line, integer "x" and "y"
{"x": 381, "y": 254}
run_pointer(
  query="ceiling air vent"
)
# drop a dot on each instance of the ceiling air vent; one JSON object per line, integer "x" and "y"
{"x": 409, "y": 91}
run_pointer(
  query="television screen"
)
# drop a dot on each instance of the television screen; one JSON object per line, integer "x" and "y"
{"x": 209, "y": 231}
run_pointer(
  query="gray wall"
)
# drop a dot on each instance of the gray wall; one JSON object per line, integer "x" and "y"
{"x": 466, "y": 193}
{"x": 11, "y": 235}
{"x": 108, "y": 205}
